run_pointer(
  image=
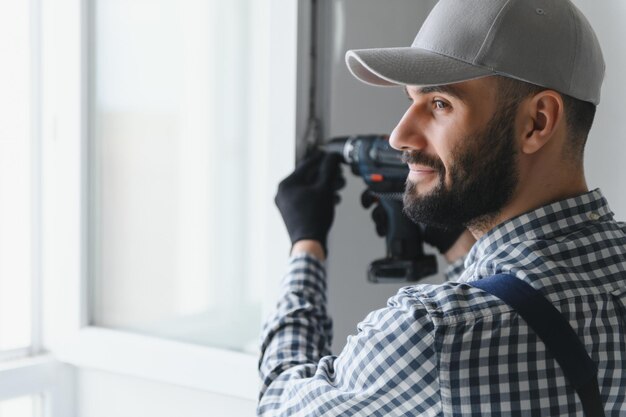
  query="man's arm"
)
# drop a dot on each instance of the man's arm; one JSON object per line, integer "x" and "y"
{"x": 306, "y": 257}
{"x": 299, "y": 333}
{"x": 389, "y": 368}
{"x": 311, "y": 247}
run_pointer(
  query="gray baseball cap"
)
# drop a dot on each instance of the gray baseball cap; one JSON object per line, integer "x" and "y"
{"x": 549, "y": 43}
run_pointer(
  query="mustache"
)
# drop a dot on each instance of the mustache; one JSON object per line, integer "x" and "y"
{"x": 415, "y": 157}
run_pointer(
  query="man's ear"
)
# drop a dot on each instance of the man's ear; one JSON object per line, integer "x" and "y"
{"x": 542, "y": 115}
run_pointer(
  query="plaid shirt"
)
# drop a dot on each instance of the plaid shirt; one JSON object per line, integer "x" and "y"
{"x": 451, "y": 349}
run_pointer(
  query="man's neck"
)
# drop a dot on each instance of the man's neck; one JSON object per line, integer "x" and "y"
{"x": 528, "y": 198}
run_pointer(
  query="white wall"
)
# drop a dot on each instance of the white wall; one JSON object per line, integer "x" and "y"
{"x": 606, "y": 148}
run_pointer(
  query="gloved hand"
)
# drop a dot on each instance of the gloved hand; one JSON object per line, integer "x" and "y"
{"x": 442, "y": 239}
{"x": 306, "y": 199}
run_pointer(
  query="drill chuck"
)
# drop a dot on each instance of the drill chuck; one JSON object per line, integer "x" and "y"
{"x": 343, "y": 146}
{"x": 372, "y": 158}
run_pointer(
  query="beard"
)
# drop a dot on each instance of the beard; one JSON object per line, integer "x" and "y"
{"x": 483, "y": 176}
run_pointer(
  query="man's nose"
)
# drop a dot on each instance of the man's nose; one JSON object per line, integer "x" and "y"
{"x": 407, "y": 135}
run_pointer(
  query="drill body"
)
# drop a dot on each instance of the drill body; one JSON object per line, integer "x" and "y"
{"x": 381, "y": 167}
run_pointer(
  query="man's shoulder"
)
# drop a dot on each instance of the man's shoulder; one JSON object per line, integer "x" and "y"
{"x": 454, "y": 302}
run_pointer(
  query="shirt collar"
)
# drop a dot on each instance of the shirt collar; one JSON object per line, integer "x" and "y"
{"x": 542, "y": 223}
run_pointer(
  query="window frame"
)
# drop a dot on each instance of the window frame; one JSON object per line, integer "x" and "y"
{"x": 68, "y": 332}
{"x": 30, "y": 370}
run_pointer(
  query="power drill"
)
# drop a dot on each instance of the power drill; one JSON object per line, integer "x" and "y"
{"x": 381, "y": 167}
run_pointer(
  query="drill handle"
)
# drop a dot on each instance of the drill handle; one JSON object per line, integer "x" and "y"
{"x": 405, "y": 261}
{"x": 404, "y": 240}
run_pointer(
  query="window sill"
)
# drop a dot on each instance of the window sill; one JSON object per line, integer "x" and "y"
{"x": 28, "y": 376}
{"x": 193, "y": 366}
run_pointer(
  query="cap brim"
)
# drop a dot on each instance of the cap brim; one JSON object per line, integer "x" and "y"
{"x": 409, "y": 66}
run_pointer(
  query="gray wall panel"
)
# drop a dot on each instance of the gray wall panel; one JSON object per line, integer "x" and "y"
{"x": 347, "y": 107}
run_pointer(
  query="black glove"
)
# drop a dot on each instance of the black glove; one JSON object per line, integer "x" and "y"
{"x": 442, "y": 239}
{"x": 306, "y": 198}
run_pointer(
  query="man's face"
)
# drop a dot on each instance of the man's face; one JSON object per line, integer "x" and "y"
{"x": 459, "y": 142}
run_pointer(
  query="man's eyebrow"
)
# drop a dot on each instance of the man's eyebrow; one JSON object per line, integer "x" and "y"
{"x": 444, "y": 89}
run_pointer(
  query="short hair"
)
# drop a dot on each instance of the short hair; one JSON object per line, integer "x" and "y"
{"x": 579, "y": 114}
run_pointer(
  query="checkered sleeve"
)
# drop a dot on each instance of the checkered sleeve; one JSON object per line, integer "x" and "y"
{"x": 389, "y": 368}
{"x": 300, "y": 330}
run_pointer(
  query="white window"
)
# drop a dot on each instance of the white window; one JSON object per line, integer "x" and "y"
{"x": 17, "y": 149}
{"x": 178, "y": 161}
{"x": 140, "y": 146}
{"x": 167, "y": 125}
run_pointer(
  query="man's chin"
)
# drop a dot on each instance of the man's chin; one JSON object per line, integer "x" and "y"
{"x": 434, "y": 205}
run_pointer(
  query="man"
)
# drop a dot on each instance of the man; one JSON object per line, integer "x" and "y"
{"x": 502, "y": 96}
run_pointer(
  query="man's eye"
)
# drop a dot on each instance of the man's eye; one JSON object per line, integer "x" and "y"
{"x": 440, "y": 105}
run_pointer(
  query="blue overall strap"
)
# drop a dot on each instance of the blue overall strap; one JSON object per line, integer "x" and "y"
{"x": 555, "y": 332}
